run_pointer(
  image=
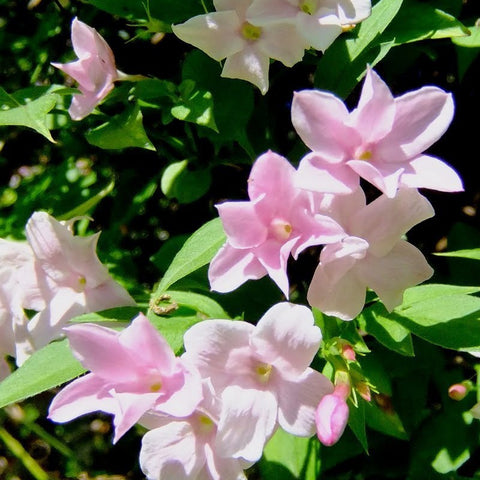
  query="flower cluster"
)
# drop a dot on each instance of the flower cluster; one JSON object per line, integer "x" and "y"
{"x": 321, "y": 203}
{"x": 211, "y": 411}
{"x": 56, "y": 274}
{"x": 248, "y": 33}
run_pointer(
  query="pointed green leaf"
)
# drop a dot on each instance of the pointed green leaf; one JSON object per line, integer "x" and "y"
{"x": 197, "y": 251}
{"x": 27, "y": 113}
{"x": 122, "y": 131}
{"x": 203, "y": 305}
{"x": 49, "y": 367}
{"x": 344, "y": 63}
{"x": 356, "y": 422}
{"x": 194, "y": 105}
{"x": 473, "y": 254}
{"x": 186, "y": 185}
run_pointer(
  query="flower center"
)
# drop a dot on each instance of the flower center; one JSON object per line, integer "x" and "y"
{"x": 206, "y": 424}
{"x": 363, "y": 155}
{"x": 154, "y": 381}
{"x": 251, "y": 32}
{"x": 281, "y": 229}
{"x": 82, "y": 282}
{"x": 308, "y": 6}
{"x": 263, "y": 371}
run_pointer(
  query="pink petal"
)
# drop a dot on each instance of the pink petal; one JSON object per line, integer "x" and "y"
{"x": 386, "y": 177}
{"x": 317, "y": 175}
{"x": 264, "y": 12}
{"x": 231, "y": 267}
{"x": 85, "y": 395}
{"x": 319, "y": 30}
{"x": 107, "y": 295}
{"x": 247, "y": 421}
{"x": 215, "y": 33}
{"x": 282, "y": 42}
{"x": 430, "y": 172}
{"x": 212, "y": 346}
{"x": 421, "y": 118}
{"x": 343, "y": 298}
{"x": 274, "y": 256}
{"x": 171, "y": 451}
{"x": 241, "y": 224}
{"x": 131, "y": 406}
{"x": 298, "y": 400}
{"x": 287, "y": 338}
{"x": 352, "y": 11}
{"x": 389, "y": 276}
{"x": 220, "y": 468}
{"x": 99, "y": 349}
{"x": 272, "y": 176}
{"x": 319, "y": 119}
{"x": 142, "y": 337}
{"x": 77, "y": 71}
{"x": 251, "y": 65}
{"x": 398, "y": 215}
{"x": 375, "y": 113}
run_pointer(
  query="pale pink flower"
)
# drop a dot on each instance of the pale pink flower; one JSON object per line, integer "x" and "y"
{"x": 382, "y": 140}
{"x": 247, "y": 48}
{"x": 261, "y": 233}
{"x": 18, "y": 290}
{"x": 374, "y": 255}
{"x": 318, "y": 22}
{"x": 132, "y": 372}
{"x": 70, "y": 277}
{"x": 261, "y": 375}
{"x": 184, "y": 448}
{"x": 331, "y": 417}
{"x": 95, "y": 69}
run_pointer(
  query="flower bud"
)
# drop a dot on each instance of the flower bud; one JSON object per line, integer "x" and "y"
{"x": 331, "y": 418}
{"x": 475, "y": 411}
{"x": 457, "y": 391}
{"x": 348, "y": 353}
{"x": 364, "y": 391}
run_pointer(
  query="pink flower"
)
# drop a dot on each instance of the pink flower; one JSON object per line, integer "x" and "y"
{"x": 184, "y": 449}
{"x": 132, "y": 372}
{"x": 318, "y": 22}
{"x": 331, "y": 417}
{"x": 261, "y": 233}
{"x": 69, "y": 276}
{"x": 374, "y": 255}
{"x": 382, "y": 140}
{"x": 261, "y": 375}
{"x": 247, "y": 48}
{"x": 95, "y": 69}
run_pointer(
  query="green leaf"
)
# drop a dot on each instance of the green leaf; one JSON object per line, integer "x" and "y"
{"x": 419, "y": 21}
{"x": 473, "y": 254}
{"x": 203, "y": 305}
{"x": 344, "y": 62}
{"x": 197, "y": 251}
{"x": 194, "y": 105}
{"x": 186, "y": 185}
{"x": 114, "y": 316}
{"x": 20, "y": 110}
{"x": 384, "y": 420}
{"x": 87, "y": 206}
{"x": 356, "y": 422}
{"x": 388, "y": 332}
{"x": 49, "y": 367}
{"x": 451, "y": 321}
{"x": 122, "y": 131}
{"x": 434, "y": 290}
{"x": 287, "y": 457}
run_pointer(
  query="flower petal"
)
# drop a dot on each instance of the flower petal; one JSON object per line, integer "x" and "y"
{"x": 389, "y": 276}
{"x": 287, "y": 338}
{"x": 298, "y": 400}
{"x": 247, "y": 421}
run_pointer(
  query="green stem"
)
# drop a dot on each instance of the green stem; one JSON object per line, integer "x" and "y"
{"x": 18, "y": 451}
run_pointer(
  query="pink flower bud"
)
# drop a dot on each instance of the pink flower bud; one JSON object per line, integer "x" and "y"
{"x": 364, "y": 391}
{"x": 348, "y": 353}
{"x": 331, "y": 418}
{"x": 457, "y": 391}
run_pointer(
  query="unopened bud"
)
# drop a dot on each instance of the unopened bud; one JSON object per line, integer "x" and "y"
{"x": 457, "y": 391}
{"x": 331, "y": 418}
{"x": 364, "y": 391}
{"x": 348, "y": 353}
{"x": 475, "y": 411}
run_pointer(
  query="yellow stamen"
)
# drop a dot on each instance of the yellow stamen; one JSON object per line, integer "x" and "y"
{"x": 264, "y": 371}
{"x": 251, "y": 32}
{"x": 366, "y": 155}
{"x": 156, "y": 387}
{"x": 281, "y": 229}
{"x": 308, "y": 6}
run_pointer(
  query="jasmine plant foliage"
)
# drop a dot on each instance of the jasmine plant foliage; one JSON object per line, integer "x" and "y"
{"x": 239, "y": 239}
